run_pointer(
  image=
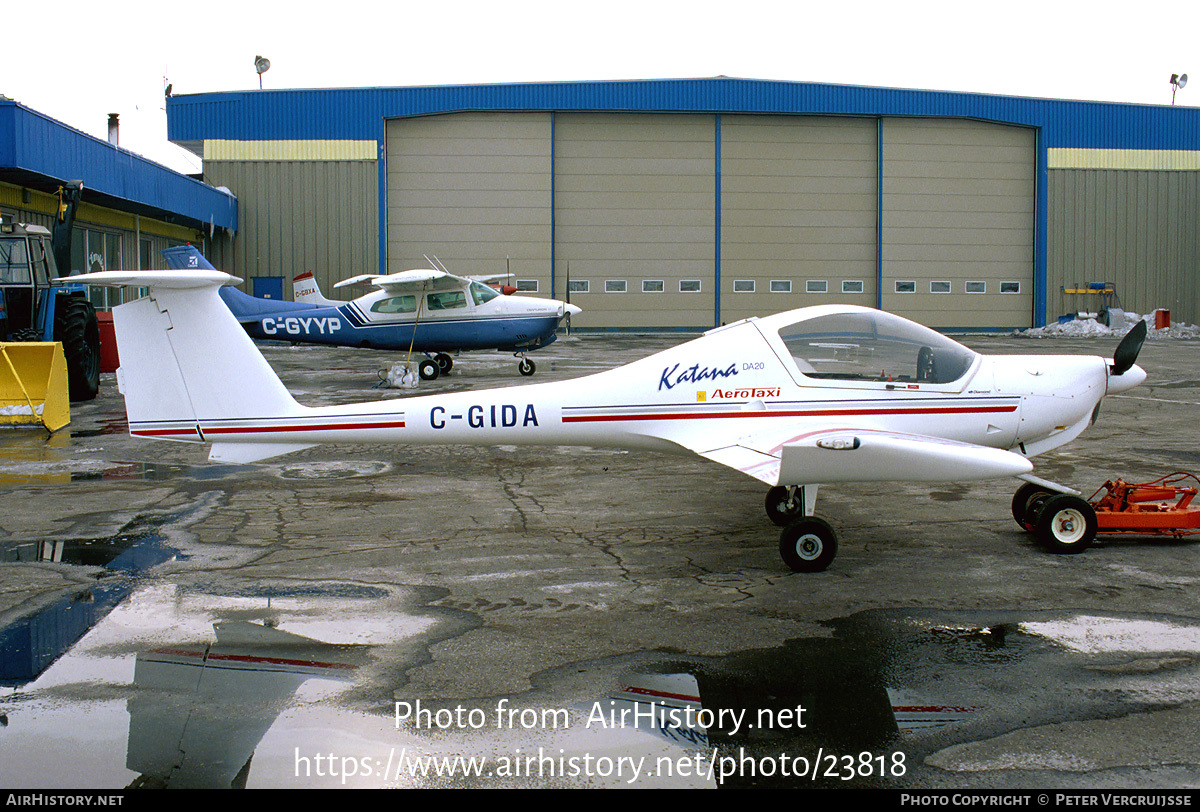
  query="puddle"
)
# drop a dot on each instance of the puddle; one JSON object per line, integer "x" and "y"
{"x": 284, "y": 683}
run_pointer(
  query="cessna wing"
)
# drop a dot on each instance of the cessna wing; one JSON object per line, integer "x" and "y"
{"x": 399, "y": 281}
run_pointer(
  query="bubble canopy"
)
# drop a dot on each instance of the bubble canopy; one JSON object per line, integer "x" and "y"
{"x": 871, "y": 345}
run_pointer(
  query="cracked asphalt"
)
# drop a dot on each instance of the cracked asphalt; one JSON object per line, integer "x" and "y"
{"x": 943, "y": 648}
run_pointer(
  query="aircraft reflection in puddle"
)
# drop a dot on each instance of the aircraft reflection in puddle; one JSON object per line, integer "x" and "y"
{"x": 200, "y": 711}
{"x": 122, "y": 708}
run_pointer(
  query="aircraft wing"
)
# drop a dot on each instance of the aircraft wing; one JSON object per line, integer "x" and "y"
{"x": 394, "y": 281}
{"x": 860, "y": 455}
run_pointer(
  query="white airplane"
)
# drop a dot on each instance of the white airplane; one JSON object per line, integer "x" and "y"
{"x": 428, "y": 311}
{"x": 820, "y": 395}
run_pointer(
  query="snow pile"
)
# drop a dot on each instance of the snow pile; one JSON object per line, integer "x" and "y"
{"x": 400, "y": 377}
{"x": 1085, "y": 328}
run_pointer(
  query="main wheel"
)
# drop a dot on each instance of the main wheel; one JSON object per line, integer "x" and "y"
{"x": 1066, "y": 524}
{"x": 76, "y": 327}
{"x": 445, "y": 362}
{"x": 779, "y": 510}
{"x": 526, "y": 367}
{"x": 428, "y": 370}
{"x": 1022, "y": 501}
{"x": 808, "y": 545}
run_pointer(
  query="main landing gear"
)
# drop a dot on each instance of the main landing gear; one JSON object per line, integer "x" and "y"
{"x": 807, "y": 544}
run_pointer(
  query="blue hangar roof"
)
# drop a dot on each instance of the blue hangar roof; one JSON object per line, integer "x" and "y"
{"x": 361, "y": 113}
{"x": 40, "y": 153}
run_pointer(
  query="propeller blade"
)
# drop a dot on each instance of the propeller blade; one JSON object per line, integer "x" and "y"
{"x": 1127, "y": 351}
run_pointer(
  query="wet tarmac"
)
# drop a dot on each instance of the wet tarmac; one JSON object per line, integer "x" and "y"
{"x": 489, "y": 617}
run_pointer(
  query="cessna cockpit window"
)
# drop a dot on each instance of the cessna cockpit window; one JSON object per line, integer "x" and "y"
{"x": 874, "y": 346}
{"x": 482, "y": 293}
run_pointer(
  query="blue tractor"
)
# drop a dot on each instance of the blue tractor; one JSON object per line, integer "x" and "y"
{"x": 34, "y": 307}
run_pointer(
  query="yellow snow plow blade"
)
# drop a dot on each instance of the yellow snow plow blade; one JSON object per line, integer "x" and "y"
{"x": 33, "y": 384}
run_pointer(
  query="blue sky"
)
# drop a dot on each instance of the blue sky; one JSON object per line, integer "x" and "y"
{"x": 92, "y": 58}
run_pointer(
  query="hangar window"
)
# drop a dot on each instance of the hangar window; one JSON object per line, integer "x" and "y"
{"x": 977, "y": 287}
{"x": 615, "y": 286}
{"x": 1010, "y": 287}
{"x": 689, "y": 285}
{"x": 743, "y": 286}
{"x": 852, "y": 286}
{"x": 874, "y": 346}
{"x": 653, "y": 286}
{"x": 448, "y": 300}
{"x": 395, "y": 304}
{"x": 816, "y": 286}
{"x": 578, "y": 286}
{"x": 527, "y": 285}
{"x": 781, "y": 286}
{"x": 906, "y": 286}
{"x": 940, "y": 286}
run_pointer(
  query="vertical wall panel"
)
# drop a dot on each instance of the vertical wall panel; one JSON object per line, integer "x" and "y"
{"x": 472, "y": 190}
{"x": 300, "y": 215}
{"x": 798, "y": 206}
{"x": 1133, "y": 228}
{"x": 958, "y": 216}
{"x": 635, "y": 205}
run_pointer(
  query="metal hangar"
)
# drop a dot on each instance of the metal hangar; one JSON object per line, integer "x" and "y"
{"x": 685, "y": 204}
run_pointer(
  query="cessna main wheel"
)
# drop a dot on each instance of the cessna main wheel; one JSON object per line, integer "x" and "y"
{"x": 1066, "y": 524}
{"x": 445, "y": 362}
{"x": 808, "y": 545}
{"x": 428, "y": 370}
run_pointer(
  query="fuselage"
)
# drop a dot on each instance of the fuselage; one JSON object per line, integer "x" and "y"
{"x": 375, "y": 321}
{"x": 785, "y": 375}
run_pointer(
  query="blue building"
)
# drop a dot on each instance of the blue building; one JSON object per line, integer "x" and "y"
{"x": 131, "y": 207}
{"x": 683, "y": 204}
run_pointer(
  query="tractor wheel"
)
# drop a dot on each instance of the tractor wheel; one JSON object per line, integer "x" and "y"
{"x": 76, "y": 327}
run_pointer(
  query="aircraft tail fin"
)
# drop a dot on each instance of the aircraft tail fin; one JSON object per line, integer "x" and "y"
{"x": 186, "y": 258}
{"x": 305, "y": 289}
{"x": 188, "y": 369}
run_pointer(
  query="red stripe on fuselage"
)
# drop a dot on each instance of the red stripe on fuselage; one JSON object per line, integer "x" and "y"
{"x": 791, "y": 413}
{"x": 208, "y": 432}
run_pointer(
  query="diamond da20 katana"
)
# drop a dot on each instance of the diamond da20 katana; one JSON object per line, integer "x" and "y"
{"x": 816, "y": 396}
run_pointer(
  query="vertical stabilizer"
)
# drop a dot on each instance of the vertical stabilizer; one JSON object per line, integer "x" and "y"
{"x": 185, "y": 360}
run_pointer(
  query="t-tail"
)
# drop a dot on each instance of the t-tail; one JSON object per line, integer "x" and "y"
{"x": 188, "y": 369}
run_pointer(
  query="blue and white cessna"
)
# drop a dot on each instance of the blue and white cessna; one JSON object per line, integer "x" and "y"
{"x": 424, "y": 311}
{"x": 824, "y": 394}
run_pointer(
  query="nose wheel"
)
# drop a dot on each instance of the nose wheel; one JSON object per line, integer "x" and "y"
{"x": 1065, "y": 524}
{"x": 526, "y": 367}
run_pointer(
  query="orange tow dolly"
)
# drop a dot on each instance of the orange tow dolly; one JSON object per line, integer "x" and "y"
{"x": 1068, "y": 524}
